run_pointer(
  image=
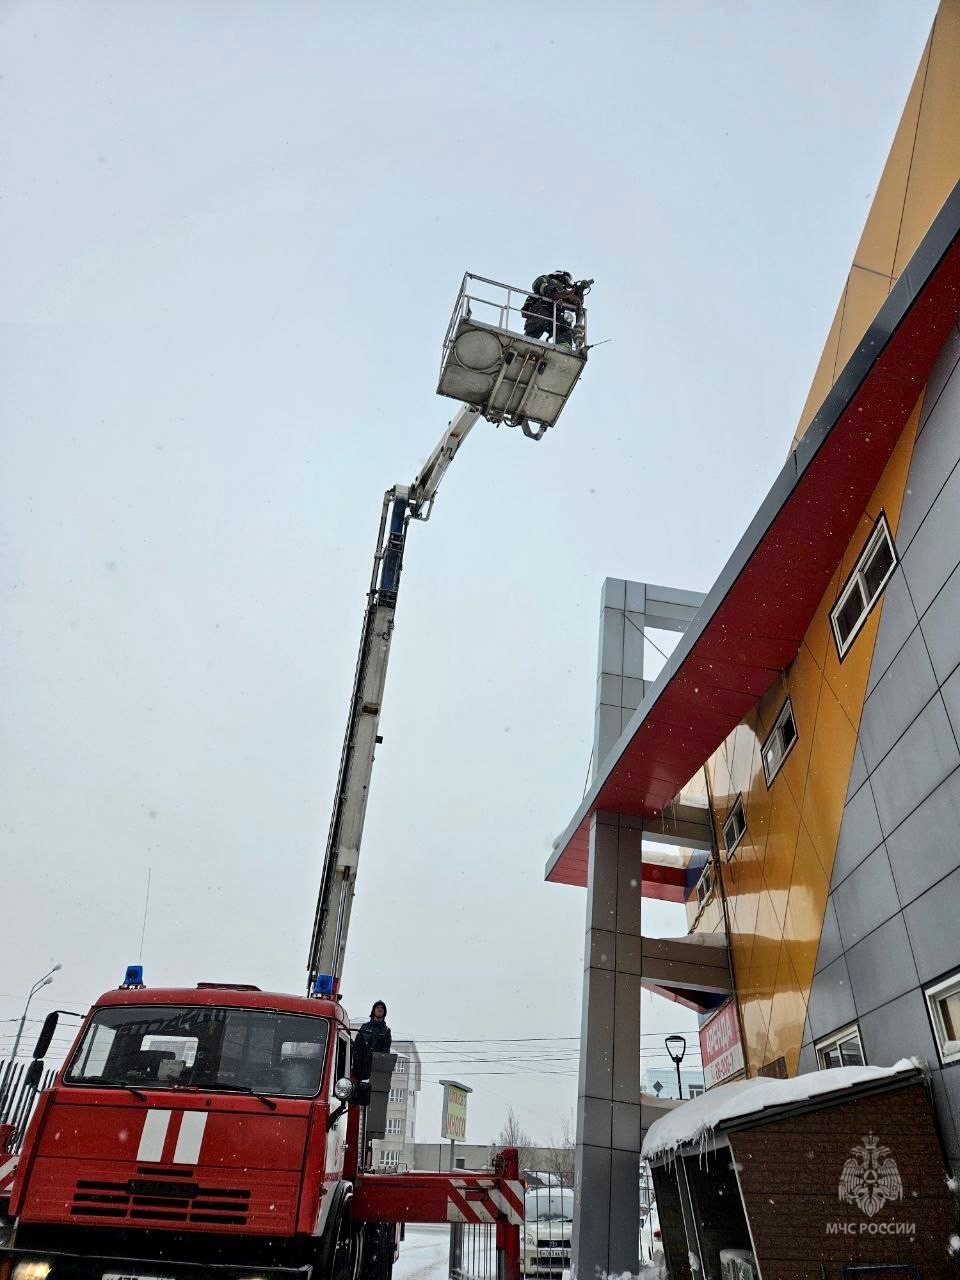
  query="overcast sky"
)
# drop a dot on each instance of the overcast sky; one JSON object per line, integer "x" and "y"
{"x": 232, "y": 234}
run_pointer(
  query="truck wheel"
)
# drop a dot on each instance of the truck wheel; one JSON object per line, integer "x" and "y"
{"x": 380, "y": 1242}
{"x": 341, "y": 1255}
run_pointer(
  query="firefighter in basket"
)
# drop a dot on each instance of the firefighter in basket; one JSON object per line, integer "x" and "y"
{"x": 554, "y": 307}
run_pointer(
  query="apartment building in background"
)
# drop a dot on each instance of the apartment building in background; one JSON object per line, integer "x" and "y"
{"x": 395, "y": 1151}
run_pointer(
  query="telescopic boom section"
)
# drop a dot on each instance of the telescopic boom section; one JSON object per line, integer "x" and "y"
{"x": 400, "y": 505}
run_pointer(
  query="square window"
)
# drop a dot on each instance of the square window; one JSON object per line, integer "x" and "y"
{"x": 842, "y": 1049}
{"x": 943, "y": 1001}
{"x": 850, "y": 612}
{"x": 862, "y": 589}
{"x": 781, "y": 738}
{"x": 877, "y": 567}
{"x": 735, "y": 826}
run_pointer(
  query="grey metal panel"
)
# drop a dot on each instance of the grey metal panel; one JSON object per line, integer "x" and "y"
{"x": 946, "y": 1093}
{"x": 831, "y": 945}
{"x": 935, "y": 454}
{"x": 941, "y": 628}
{"x": 881, "y": 966}
{"x": 859, "y": 833}
{"x": 940, "y": 374}
{"x": 897, "y": 699}
{"x": 858, "y": 772}
{"x": 926, "y": 847}
{"x": 613, "y": 593}
{"x": 897, "y": 620}
{"x": 866, "y": 898}
{"x": 933, "y": 923}
{"x": 624, "y": 1202}
{"x": 626, "y": 1126}
{"x": 933, "y": 554}
{"x": 808, "y": 1060}
{"x": 951, "y": 698}
{"x": 831, "y": 1003}
{"x": 611, "y": 642}
{"x": 916, "y": 765}
{"x": 596, "y": 1121}
{"x": 900, "y": 1029}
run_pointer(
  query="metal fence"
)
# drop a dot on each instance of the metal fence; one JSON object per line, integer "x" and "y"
{"x": 473, "y": 1251}
{"x": 17, "y": 1099}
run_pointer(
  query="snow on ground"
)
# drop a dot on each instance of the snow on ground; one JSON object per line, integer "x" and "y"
{"x": 424, "y": 1253}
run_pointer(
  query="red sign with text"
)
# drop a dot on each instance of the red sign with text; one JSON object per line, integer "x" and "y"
{"x": 720, "y": 1048}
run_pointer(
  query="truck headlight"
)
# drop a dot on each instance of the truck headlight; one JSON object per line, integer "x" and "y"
{"x": 32, "y": 1269}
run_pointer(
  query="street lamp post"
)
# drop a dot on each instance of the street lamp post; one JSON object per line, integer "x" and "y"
{"x": 677, "y": 1047}
{"x": 40, "y": 982}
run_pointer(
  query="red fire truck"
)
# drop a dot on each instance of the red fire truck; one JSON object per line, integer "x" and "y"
{"x": 217, "y": 1129}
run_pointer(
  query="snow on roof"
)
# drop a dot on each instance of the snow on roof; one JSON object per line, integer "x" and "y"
{"x": 696, "y": 1120}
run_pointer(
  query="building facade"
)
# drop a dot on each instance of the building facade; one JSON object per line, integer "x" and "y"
{"x": 792, "y": 776}
{"x": 396, "y": 1149}
{"x": 661, "y": 1082}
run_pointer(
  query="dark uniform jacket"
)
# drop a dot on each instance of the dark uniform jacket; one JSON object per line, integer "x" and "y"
{"x": 373, "y": 1037}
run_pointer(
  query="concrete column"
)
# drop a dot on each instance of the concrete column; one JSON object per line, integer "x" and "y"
{"x": 606, "y": 1233}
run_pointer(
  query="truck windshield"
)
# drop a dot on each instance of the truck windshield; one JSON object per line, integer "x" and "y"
{"x": 203, "y": 1047}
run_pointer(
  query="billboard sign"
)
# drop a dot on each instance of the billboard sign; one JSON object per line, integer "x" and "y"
{"x": 721, "y": 1050}
{"x": 453, "y": 1123}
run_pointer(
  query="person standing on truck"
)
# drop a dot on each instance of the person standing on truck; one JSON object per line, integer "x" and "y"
{"x": 373, "y": 1037}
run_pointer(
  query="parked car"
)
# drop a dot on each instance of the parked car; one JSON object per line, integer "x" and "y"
{"x": 548, "y": 1223}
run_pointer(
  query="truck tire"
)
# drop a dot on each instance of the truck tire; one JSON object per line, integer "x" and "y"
{"x": 340, "y": 1252}
{"x": 379, "y": 1245}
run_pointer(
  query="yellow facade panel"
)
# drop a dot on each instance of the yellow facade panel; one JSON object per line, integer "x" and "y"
{"x": 935, "y": 163}
{"x": 805, "y": 909}
{"x": 780, "y": 850}
{"x": 755, "y": 1032}
{"x": 778, "y": 879}
{"x": 831, "y": 759}
{"x": 787, "y": 1015}
{"x": 762, "y": 973}
{"x": 878, "y": 244}
{"x": 866, "y": 293}
{"x": 803, "y": 684}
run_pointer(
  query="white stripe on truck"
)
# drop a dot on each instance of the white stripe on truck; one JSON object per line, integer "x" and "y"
{"x": 190, "y": 1137}
{"x": 155, "y": 1125}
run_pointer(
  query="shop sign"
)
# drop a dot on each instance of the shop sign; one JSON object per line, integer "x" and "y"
{"x": 721, "y": 1050}
{"x": 453, "y": 1123}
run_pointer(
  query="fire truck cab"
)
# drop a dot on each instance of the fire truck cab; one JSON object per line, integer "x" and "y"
{"x": 217, "y": 1128}
{"x": 191, "y": 1127}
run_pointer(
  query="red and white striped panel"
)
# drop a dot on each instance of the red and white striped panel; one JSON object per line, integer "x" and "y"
{"x": 8, "y": 1167}
{"x": 485, "y": 1200}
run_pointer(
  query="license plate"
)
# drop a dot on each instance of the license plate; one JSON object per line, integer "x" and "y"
{"x": 551, "y": 1253}
{"x": 129, "y": 1275}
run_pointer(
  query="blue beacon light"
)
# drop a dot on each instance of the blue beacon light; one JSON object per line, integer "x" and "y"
{"x": 323, "y": 986}
{"x": 133, "y": 978}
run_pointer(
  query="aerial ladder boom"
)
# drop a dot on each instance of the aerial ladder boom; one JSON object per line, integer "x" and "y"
{"x": 401, "y": 504}
{"x": 502, "y": 373}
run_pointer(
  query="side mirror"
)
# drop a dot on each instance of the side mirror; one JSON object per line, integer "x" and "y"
{"x": 34, "y": 1074}
{"x": 344, "y": 1090}
{"x": 46, "y": 1034}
